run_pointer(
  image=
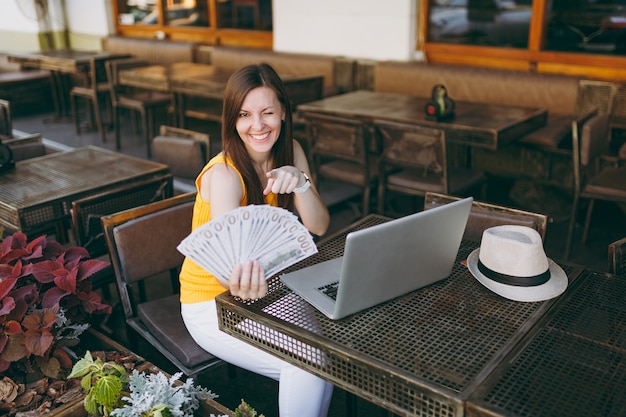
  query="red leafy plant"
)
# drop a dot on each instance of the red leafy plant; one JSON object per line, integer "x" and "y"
{"x": 46, "y": 301}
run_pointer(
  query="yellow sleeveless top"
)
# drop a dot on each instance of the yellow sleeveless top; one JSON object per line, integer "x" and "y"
{"x": 196, "y": 284}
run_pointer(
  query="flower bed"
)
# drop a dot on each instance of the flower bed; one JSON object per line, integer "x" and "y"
{"x": 46, "y": 304}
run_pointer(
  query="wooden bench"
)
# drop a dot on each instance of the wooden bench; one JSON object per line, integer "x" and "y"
{"x": 154, "y": 51}
{"x": 337, "y": 71}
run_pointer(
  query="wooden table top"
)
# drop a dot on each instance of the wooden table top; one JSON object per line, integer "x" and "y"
{"x": 62, "y": 60}
{"x": 189, "y": 76}
{"x": 476, "y": 124}
{"x": 47, "y": 184}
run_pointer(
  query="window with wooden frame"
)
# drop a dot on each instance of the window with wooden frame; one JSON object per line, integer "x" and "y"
{"x": 578, "y": 37}
{"x": 224, "y": 22}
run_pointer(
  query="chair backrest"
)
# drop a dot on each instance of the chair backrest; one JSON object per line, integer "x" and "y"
{"x": 485, "y": 215}
{"x": 420, "y": 149}
{"x": 98, "y": 72}
{"x": 6, "y": 123}
{"x": 28, "y": 150}
{"x": 113, "y": 67}
{"x": 142, "y": 243}
{"x": 179, "y": 132}
{"x": 87, "y": 212}
{"x": 617, "y": 257}
{"x": 184, "y": 151}
{"x": 185, "y": 157}
{"x": 590, "y": 140}
{"x": 337, "y": 138}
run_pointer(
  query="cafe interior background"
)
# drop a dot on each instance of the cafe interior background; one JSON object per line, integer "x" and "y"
{"x": 582, "y": 37}
{"x": 585, "y": 38}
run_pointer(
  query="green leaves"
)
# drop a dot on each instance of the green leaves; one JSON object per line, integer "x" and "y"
{"x": 103, "y": 382}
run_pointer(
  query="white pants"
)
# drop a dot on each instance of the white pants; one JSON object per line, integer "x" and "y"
{"x": 301, "y": 394}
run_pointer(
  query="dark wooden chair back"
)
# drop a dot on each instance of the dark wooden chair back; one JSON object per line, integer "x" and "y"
{"x": 340, "y": 151}
{"x": 87, "y": 212}
{"x": 112, "y": 68}
{"x": 6, "y": 123}
{"x": 142, "y": 243}
{"x": 414, "y": 161}
{"x": 617, "y": 257}
{"x": 485, "y": 215}
{"x": 593, "y": 180}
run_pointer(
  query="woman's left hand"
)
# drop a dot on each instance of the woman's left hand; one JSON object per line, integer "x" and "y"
{"x": 283, "y": 180}
{"x": 247, "y": 281}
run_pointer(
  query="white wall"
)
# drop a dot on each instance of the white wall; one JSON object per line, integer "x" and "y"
{"x": 87, "y": 17}
{"x": 19, "y": 28}
{"x": 362, "y": 29}
{"x": 366, "y": 29}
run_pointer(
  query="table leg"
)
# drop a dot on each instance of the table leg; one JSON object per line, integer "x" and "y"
{"x": 60, "y": 97}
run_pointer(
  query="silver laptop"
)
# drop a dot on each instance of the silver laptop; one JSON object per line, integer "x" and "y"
{"x": 385, "y": 261}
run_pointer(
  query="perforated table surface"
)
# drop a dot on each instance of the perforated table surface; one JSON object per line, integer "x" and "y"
{"x": 40, "y": 190}
{"x": 572, "y": 364}
{"x": 421, "y": 354}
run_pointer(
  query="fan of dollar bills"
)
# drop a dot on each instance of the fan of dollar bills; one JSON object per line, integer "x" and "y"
{"x": 272, "y": 235}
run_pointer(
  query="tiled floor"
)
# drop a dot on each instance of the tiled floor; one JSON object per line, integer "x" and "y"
{"x": 608, "y": 224}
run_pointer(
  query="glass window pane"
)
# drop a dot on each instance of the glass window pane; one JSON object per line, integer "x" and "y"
{"x": 596, "y": 26}
{"x": 187, "y": 13}
{"x": 137, "y": 12}
{"x": 245, "y": 14}
{"x": 500, "y": 23}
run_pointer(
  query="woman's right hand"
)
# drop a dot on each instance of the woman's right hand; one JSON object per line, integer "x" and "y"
{"x": 247, "y": 281}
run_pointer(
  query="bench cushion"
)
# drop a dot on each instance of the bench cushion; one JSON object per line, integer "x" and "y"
{"x": 557, "y": 93}
{"x": 233, "y": 58}
{"x": 154, "y": 51}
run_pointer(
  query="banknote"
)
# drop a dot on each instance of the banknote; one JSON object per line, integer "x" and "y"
{"x": 271, "y": 235}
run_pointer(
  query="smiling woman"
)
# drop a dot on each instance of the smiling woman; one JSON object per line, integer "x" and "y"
{"x": 260, "y": 163}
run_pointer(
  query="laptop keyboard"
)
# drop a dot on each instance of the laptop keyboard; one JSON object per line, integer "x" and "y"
{"x": 330, "y": 289}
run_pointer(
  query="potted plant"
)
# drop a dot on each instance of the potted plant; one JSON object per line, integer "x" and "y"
{"x": 46, "y": 302}
{"x": 148, "y": 394}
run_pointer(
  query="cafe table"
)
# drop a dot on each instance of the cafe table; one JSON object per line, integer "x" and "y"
{"x": 60, "y": 63}
{"x": 198, "y": 89}
{"x": 573, "y": 363}
{"x": 39, "y": 191}
{"x": 421, "y": 354}
{"x": 481, "y": 125}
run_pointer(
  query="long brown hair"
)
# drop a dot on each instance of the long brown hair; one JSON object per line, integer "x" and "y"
{"x": 237, "y": 88}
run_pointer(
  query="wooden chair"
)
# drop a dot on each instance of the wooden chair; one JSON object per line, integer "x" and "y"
{"x": 590, "y": 142}
{"x": 142, "y": 243}
{"x": 340, "y": 151}
{"x": 414, "y": 161}
{"x": 186, "y": 152}
{"x": 6, "y": 123}
{"x": 87, "y": 213}
{"x": 485, "y": 215}
{"x": 95, "y": 92}
{"x": 617, "y": 257}
{"x": 144, "y": 102}
{"x": 22, "y": 151}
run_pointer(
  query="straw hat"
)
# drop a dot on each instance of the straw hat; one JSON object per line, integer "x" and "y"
{"x": 512, "y": 263}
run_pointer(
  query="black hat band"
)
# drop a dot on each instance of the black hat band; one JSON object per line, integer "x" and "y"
{"x": 531, "y": 281}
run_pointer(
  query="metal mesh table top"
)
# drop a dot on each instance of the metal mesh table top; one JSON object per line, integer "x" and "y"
{"x": 442, "y": 339}
{"x": 573, "y": 365}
